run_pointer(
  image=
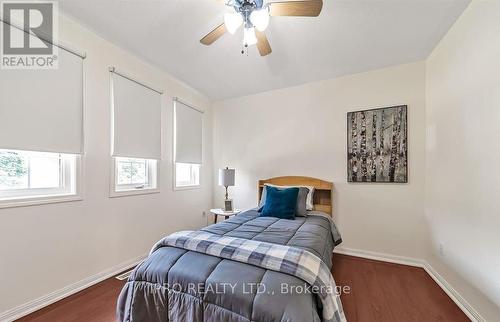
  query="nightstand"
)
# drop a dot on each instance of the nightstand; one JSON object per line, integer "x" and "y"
{"x": 219, "y": 212}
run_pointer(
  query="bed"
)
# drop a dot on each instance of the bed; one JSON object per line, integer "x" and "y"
{"x": 179, "y": 284}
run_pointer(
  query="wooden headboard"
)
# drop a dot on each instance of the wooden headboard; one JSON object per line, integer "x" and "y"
{"x": 322, "y": 190}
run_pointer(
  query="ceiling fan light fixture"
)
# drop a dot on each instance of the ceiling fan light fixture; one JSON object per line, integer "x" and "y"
{"x": 260, "y": 18}
{"x": 233, "y": 21}
{"x": 249, "y": 37}
{"x": 255, "y": 15}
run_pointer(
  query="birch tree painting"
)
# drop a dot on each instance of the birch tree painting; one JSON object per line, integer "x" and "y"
{"x": 377, "y": 145}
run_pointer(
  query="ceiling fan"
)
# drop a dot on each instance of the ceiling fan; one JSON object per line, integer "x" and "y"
{"x": 254, "y": 16}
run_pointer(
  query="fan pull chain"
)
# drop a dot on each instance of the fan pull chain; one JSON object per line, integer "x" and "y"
{"x": 244, "y": 49}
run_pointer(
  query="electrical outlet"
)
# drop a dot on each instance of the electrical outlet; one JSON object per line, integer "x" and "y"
{"x": 442, "y": 250}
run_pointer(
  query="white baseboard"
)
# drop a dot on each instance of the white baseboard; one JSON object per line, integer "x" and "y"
{"x": 64, "y": 292}
{"x": 380, "y": 256}
{"x": 461, "y": 302}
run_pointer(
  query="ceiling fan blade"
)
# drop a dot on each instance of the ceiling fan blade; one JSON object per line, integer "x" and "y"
{"x": 311, "y": 8}
{"x": 213, "y": 35}
{"x": 263, "y": 44}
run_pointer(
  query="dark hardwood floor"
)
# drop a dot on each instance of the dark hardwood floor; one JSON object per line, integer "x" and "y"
{"x": 383, "y": 292}
{"x": 95, "y": 304}
{"x": 379, "y": 292}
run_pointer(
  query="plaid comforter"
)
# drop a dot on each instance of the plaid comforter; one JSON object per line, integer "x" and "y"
{"x": 289, "y": 260}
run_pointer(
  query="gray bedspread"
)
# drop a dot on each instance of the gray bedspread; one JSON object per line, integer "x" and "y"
{"x": 174, "y": 284}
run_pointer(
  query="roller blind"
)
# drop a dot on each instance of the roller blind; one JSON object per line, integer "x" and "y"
{"x": 42, "y": 110}
{"x": 136, "y": 119}
{"x": 188, "y": 134}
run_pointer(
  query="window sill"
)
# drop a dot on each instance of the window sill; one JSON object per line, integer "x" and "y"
{"x": 35, "y": 201}
{"x": 187, "y": 188}
{"x": 126, "y": 193}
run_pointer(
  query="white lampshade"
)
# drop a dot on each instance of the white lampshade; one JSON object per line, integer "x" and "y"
{"x": 233, "y": 21}
{"x": 226, "y": 177}
{"x": 260, "y": 18}
{"x": 249, "y": 37}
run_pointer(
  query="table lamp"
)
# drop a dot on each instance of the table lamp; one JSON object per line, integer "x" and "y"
{"x": 226, "y": 179}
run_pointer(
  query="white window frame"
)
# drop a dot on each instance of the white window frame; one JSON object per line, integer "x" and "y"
{"x": 187, "y": 187}
{"x": 153, "y": 172}
{"x": 71, "y": 191}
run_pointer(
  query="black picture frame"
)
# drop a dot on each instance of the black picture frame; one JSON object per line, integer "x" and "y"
{"x": 397, "y": 171}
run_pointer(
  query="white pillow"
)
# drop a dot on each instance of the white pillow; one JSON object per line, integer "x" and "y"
{"x": 310, "y": 194}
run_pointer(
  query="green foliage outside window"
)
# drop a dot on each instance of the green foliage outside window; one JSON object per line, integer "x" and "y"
{"x": 12, "y": 166}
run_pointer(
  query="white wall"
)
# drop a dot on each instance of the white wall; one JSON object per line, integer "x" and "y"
{"x": 462, "y": 152}
{"x": 302, "y": 131}
{"x": 44, "y": 248}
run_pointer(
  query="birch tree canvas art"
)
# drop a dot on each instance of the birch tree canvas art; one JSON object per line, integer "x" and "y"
{"x": 377, "y": 145}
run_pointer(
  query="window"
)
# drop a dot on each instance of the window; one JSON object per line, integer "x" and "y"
{"x": 187, "y": 175}
{"x": 26, "y": 175}
{"x": 188, "y": 142}
{"x": 136, "y": 133}
{"x": 135, "y": 175}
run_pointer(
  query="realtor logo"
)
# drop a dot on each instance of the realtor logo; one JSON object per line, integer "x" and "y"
{"x": 28, "y": 33}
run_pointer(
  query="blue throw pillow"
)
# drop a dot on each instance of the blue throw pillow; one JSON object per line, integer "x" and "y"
{"x": 280, "y": 203}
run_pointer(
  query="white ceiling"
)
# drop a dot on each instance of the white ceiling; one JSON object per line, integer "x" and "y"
{"x": 349, "y": 36}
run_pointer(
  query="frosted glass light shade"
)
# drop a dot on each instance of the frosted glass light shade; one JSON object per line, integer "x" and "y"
{"x": 233, "y": 21}
{"x": 260, "y": 19}
{"x": 249, "y": 37}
